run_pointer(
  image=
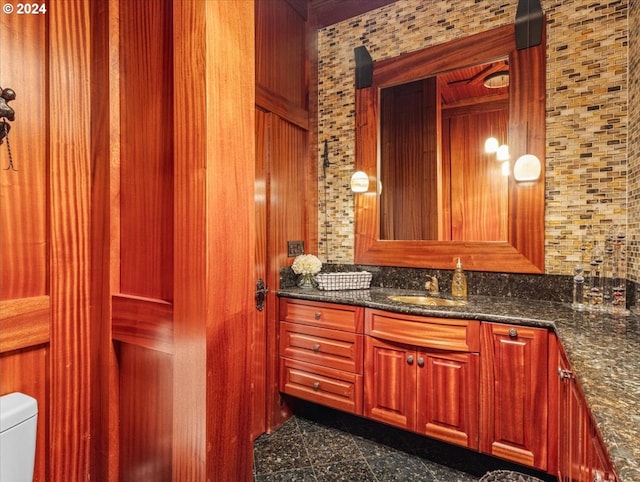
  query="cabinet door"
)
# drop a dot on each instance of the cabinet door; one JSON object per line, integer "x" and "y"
{"x": 447, "y": 389}
{"x": 390, "y": 383}
{"x": 582, "y": 456}
{"x": 600, "y": 468}
{"x": 514, "y": 391}
{"x": 572, "y": 426}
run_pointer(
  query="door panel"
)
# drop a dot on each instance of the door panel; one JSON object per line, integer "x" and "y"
{"x": 390, "y": 383}
{"x": 514, "y": 385}
{"x": 448, "y": 397}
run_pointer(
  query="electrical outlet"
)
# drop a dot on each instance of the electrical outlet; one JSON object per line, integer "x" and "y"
{"x": 295, "y": 248}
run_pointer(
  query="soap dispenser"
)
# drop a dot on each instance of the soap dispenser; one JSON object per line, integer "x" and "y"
{"x": 459, "y": 283}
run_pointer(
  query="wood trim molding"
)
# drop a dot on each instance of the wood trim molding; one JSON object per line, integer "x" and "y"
{"x": 70, "y": 177}
{"x": 24, "y": 323}
{"x": 144, "y": 322}
{"x": 272, "y": 102}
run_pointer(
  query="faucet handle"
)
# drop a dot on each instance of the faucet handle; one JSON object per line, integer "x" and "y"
{"x": 432, "y": 286}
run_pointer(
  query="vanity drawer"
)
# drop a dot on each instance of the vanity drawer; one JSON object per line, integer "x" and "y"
{"x": 318, "y": 384}
{"x": 324, "y": 315}
{"x": 331, "y": 348}
{"x": 441, "y": 333}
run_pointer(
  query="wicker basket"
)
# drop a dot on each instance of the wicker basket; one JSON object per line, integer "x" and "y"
{"x": 344, "y": 281}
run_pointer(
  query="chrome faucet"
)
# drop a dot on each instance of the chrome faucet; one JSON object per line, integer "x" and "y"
{"x": 432, "y": 286}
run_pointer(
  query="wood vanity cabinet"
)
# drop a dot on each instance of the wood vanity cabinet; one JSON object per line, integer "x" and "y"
{"x": 582, "y": 456}
{"x": 321, "y": 353}
{"x": 514, "y": 393}
{"x": 505, "y": 390}
{"x": 422, "y": 374}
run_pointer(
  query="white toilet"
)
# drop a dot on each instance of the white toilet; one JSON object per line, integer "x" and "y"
{"x": 18, "y": 420}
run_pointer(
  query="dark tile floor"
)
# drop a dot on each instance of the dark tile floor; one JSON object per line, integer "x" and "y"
{"x": 322, "y": 445}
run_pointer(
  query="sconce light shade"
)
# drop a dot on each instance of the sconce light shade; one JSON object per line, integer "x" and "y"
{"x": 503, "y": 153}
{"x": 527, "y": 168}
{"x": 359, "y": 181}
{"x": 364, "y": 67}
{"x": 491, "y": 145}
{"x": 528, "y": 24}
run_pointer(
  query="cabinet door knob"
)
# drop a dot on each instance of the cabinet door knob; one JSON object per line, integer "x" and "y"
{"x": 317, "y": 315}
{"x": 565, "y": 374}
{"x": 420, "y": 361}
{"x": 410, "y": 359}
{"x": 513, "y": 333}
{"x": 316, "y": 347}
{"x": 316, "y": 386}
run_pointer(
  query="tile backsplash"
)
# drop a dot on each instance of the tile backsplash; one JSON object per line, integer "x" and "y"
{"x": 591, "y": 164}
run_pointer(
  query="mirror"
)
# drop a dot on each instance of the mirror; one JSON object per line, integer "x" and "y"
{"x": 522, "y": 249}
{"x": 432, "y": 146}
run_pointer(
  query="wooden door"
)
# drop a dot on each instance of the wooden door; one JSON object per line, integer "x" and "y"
{"x": 390, "y": 383}
{"x": 447, "y": 396}
{"x": 514, "y": 391}
{"x": 479, "y": 190}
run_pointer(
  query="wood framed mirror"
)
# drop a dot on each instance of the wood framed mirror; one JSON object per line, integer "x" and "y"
{"x": 523, "y": 249}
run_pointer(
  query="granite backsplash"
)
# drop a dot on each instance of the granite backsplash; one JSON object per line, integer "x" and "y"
{"x": 557, "y": 288}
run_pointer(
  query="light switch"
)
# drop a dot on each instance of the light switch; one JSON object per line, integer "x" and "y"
{"x": 295, "y": 248}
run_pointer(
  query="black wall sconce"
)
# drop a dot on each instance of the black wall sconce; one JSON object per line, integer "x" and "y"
{"x": 6, "y": 114}
{"x": 529, "y": 17}
{"x": 364, "y": 67}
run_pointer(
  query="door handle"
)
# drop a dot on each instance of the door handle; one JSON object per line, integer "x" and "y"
{"x": 261, "y": 293}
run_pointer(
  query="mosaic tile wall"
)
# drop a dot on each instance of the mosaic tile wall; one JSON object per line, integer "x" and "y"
{"x": 586, "y": 110}
{"x": 634, "y": 140}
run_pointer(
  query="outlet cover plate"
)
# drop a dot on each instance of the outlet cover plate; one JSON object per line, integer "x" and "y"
{"x": 295, "y": 248}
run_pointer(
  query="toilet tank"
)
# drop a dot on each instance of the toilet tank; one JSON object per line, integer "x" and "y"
{"x": 18, "y": 421}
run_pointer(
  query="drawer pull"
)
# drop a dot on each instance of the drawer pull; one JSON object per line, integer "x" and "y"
{"x": 410, "y": 359}
{"x": 513, "y": 333}
{"x": 316, "y": 386}
{"x": 317, "y": 315}
{"x": 420, "y": 361}
{"x": 316, "y": 347}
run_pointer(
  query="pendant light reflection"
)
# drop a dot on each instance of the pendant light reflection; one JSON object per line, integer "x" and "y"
{"x": 491, "y": 145}
{"x": 502, "y": 154}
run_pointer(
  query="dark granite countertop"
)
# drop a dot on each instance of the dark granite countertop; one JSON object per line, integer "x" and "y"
{"x": 603, "y": 349}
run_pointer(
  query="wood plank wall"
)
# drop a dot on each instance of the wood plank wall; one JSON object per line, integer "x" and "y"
{"x": 142, "y": 302}
{"x": 184, "y": 301}
{"x": 44, "y": 214}
{"x": 286, "y": 168}
{"x": 105, "y": 143}
{"x": 90, "y": 236}
{"x": 214, "y": 286}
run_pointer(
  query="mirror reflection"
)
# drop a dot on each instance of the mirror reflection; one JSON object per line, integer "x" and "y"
{"x": 439, "y": 182}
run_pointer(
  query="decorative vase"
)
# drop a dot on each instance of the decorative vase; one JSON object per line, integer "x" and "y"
{"x": 307, "y": 281}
